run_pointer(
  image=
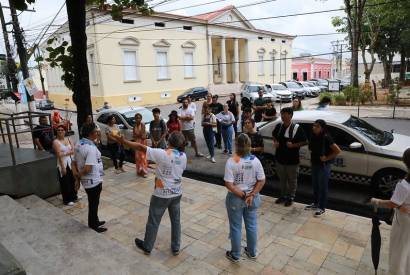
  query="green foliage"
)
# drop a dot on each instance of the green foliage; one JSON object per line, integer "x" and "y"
{"x": 352, "y": 94}
{"x": 62, "y": 56}
{"x": 339, "y": 99}
{"x": 394, "y": 93}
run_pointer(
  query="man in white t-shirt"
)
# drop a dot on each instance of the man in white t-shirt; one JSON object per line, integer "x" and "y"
{"x": 244, "y": 178}
{"x": 171, "y": 163}
{"x": 191, "y": 104}
{"x": 88, "y": 169}
{"x": 187, "y": 116}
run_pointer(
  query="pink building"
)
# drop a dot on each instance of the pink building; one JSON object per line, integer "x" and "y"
{"x": 305, "y": 68}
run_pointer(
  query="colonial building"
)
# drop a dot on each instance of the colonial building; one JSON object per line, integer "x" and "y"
{"x": 144, "y": 60}
{"x": 308, "y": 67}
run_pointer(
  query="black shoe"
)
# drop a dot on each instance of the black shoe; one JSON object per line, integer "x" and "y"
{"x": 140, "y": 244}
{"x": 280, "y": 200}
{"x": 230, "y": 257}
{"x": 249, "y": 255}
{"x": 100, "y": 229}
{"x": 288, "y": 202}
{"x": 319, "y": 212}
{"x": 175, "y": 252}
{"x": 311, "y": 207}
{"x": 101, "y": 223}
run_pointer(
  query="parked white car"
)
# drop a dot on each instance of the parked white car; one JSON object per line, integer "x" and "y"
{"x": 125, "y": 120}
{"x": 369, "y": 155}
{"x": 250, "y": 91}
{"x": 311, "y": 89}
{"x": 280, "y": 93}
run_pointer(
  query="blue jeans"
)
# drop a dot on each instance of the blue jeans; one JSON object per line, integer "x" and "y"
{"x": 237, "y": 209}
{"x": 157, "y": 207}
{"x": 227, "y": 133}
{"x": 320, "y": 181}
{"x": 209, "y": 136}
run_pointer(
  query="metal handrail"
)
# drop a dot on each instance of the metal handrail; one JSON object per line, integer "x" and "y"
{"x": 9, "y": 121}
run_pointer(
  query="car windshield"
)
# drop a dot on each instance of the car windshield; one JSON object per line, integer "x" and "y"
{"x": 292, "y": 85}
{"x": 307, "y": 84}
{"x": 146, "y": 116}
{"x": 278, "y": 87}
{"x": 379, "y": 137}
{"x": 254, "y": 89}
{"x": 189, "y": 91}
{"x": 323, "y": 82}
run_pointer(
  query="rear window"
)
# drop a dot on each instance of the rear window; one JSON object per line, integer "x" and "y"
{"x": 254, "y": 89}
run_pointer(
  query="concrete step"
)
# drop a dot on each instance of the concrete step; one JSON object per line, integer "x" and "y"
{"x": 45, "y": 240}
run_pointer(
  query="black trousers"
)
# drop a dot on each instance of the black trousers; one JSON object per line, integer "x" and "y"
{"x": 218, "y": 135}
{"x": 93, "y": 195}
{"x": 67, "y": 186}
{"x": 116, "y": 153}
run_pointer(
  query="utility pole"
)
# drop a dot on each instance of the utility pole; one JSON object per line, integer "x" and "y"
{"x": 11, "y": 66}
{"x": 20, "y": 47}
{"x": 40, "y": 71}
{"x": 338, "y": 46}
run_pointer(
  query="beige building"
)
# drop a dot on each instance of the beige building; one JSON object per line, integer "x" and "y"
{"x": 150, "y": 60}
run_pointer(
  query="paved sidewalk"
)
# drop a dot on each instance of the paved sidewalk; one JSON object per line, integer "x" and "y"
{"x": 291, "y": 241}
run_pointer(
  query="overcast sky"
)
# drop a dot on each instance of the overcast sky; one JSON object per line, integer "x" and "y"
{"x": 32, "y": 22}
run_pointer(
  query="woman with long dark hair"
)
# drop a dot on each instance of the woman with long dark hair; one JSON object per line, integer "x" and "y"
{"x": 140, "y": 136}
{"x": 64, "y": 152}
{"x": 235, "y": 109}
{"x": 323, "y": 151}
{"x": 173, "y": 123}
{"x": 209, "y": 124}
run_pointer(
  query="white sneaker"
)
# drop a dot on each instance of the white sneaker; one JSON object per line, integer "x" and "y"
{"x": 213, "y": 160}
{"x": 208, "y": 157}
{"x": 70, "y": 203}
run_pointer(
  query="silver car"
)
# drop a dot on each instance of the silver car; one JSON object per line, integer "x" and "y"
{"x": 312, "y": 90}
{"x": 250, "y": 91}
{"x": 125, "y": 120}
{"x": 296, "y": 90}
{"x": 280, "y": 92}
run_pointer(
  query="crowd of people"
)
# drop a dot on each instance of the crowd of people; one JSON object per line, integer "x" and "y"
{"x": 244, "y": 174}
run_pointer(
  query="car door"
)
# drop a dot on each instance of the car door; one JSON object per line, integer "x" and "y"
{"x": 102, "y": 123}
{"x": 349, "y": 161}
{"x": 125, "y": 131}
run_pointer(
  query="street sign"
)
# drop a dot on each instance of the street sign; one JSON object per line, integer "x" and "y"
{"x": 334, "y": 86}
{"x": 30, "y": 86}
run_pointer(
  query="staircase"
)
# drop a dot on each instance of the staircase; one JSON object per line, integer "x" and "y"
{"x": 45, "y": 240}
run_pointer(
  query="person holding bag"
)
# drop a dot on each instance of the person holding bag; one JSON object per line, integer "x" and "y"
{"x": 64, "y": 151}
{"x": 399, "y": 253}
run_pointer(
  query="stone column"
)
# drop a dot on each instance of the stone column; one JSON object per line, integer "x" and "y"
{"x": 210, "y": 62}
{"x": 247, "y": 63}
{"x": 236, "y": 60}
{"x": 223, "y": 60}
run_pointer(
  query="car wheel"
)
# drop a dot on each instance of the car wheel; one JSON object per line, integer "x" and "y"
{"x": 268, "y": 163}
{"x": 385, "y": 181}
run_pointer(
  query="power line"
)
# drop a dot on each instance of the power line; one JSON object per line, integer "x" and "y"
{"x": 212, "y": 64}
{"x": 236, "y": 21}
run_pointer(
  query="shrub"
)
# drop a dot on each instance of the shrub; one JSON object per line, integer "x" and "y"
{"x": 329, "y": 95}
{"x": 339, "y": 99}
{"x": 352, "y": 94}
{"x": 365, "y": 93}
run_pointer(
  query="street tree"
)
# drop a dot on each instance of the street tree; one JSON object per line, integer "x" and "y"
{"x": 73, "y": 58}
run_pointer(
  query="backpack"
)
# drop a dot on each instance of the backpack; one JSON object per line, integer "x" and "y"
{"x": 292, "y": 131}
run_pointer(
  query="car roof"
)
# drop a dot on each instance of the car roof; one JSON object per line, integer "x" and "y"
{"x": 123, "y": 110}
{"x": 254, "y": 84}
{"x": 328, "y": 116}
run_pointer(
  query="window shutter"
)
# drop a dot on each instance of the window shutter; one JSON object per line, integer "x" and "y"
{"x": 130, "y": 65}
{"x": 188, "y": 66}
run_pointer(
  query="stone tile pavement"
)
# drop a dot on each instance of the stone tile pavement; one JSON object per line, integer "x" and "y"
{"x": 291, "y": 240}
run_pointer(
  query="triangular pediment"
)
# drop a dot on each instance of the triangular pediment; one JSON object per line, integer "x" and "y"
{"x": 234, "y": 18}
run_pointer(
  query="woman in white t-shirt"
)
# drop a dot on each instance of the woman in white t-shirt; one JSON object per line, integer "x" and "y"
{"x": 244, "y": 178}
{"x": 171, "y": 163}
{"x": 226, "y": 119}
{"x": 399, "y": 252}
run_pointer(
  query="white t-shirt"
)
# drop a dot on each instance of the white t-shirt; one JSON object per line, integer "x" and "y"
{"x": 86, "y": 153}
{"x": 168, "y": 174}
{"x": 244, "y": 172}
{"x": 192, "y": 105}
{"x": 401, "y": 194}
{"x": 187, "y": 125}
{"x": 226, "y": 118}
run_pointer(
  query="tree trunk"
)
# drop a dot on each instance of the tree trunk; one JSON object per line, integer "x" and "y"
{"x": 402, "y": 65}
{"x": 81, "y": 87}
{"x": 354, "y": 66}
{"x": 387, "y": 71}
